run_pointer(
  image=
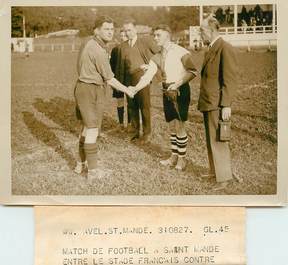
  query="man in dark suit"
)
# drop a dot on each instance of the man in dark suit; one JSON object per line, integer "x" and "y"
{"x": 136, "y": 53}
{"x": 218, "y": 85}
{"x": 115, "y": 62}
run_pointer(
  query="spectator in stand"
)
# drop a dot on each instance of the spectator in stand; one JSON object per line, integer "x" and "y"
{"x": 244, "y": 14}
{"x": 228, "y": 15}
{"x": 243, "y": 25}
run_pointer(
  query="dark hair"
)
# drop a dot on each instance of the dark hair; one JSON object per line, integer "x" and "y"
{"x": 99, "y": 21}
{"x": 130, "y": 21}
{"x": 163, "y": 27}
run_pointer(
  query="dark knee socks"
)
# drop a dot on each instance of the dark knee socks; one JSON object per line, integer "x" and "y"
{"x": 91, "y": 155}
{"x": 81, "y": 150}
{"x": 128, "y": 115}
{"x": 120, "y": 111}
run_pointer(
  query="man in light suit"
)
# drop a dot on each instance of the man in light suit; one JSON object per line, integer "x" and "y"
{"x": 218, "y": 85}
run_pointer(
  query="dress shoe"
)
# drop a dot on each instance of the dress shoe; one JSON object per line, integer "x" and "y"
{"x": 134, "y": 138}
{"x": 80, "y": 167}
{"x": 220, "y": 186}
{"x": 208, "y": 176}
{"x": 146, "y": 139}
{"x": 171, "y": 161}
{"x": 120, "y": 127}
{"x": 181, "y": 164}
{"x": 129, "y": 128}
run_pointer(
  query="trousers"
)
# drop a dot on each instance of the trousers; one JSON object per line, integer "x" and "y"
{"x": 218, "y": 152}
{"x": 140, "y": 102}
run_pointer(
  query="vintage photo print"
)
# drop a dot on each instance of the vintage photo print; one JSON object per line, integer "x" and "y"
{"x": 143, "y": 102}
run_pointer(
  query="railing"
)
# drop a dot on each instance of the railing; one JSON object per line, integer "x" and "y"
{"x": 248, "y": 30}
{"x": 56, "y": 47}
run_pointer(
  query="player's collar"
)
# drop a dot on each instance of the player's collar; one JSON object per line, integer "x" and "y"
{"x": 167, "y": 45}
{"x": 101, "y": 42}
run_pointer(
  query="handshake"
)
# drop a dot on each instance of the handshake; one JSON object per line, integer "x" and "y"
{"x": 131, "y": 91}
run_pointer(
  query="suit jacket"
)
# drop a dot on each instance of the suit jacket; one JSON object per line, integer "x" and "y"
{"x": 115, "y": 62}
{"x": 147, "y": 48}
{"x": 218, "y": 77}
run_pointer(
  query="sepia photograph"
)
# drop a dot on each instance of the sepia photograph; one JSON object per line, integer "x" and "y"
{"x": 144, "y": 100}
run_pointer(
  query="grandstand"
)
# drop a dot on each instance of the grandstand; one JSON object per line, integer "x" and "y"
{"x": 253, "y": 28}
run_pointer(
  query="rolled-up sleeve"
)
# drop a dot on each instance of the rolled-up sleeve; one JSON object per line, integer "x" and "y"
{"x": 151, "y": 71}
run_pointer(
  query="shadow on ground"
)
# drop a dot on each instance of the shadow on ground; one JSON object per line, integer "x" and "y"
{"x": 62, "y": 112}
{"x": 43, "y": 133}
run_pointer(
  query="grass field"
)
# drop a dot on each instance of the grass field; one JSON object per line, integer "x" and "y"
{"x": 44, "y": 135}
